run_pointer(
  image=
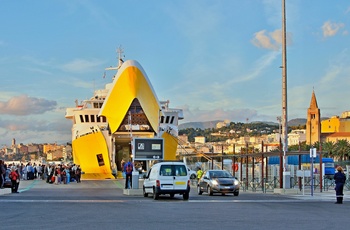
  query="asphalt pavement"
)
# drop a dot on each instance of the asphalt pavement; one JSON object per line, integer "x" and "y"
{"x": 118, "y": 184}
{"x": 102, "y": 204}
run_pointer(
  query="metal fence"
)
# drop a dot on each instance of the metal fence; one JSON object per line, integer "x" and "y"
{"x": 267, "y": 180}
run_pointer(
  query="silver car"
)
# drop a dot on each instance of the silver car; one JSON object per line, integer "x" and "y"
{"x": 218, "y": 181}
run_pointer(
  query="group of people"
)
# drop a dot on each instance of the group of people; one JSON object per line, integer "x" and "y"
{"x": 51, "y": 173}
{"x": 62, "y": 174}
{"x": 14, "y": 175}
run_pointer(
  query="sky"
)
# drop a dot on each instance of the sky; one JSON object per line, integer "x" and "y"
{"x": 215, "y": 60}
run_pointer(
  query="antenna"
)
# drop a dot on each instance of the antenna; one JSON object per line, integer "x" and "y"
{"x": 120, "y": 51}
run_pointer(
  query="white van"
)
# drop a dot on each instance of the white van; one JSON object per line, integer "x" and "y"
{"x": 167, "y": 178}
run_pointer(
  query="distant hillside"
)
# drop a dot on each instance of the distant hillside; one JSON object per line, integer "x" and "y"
{"x": 212, "y": 124}
{"x": 199, "y": 125}
{"x": 297, "y": 122}
{"x": 301, "y": 121}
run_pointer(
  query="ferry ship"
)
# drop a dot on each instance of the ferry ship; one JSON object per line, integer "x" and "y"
{"x": 104, "y": 125}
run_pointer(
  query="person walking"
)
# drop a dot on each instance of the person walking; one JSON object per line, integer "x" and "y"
{"x": 339, "y": 178}
{"x": 78, "y": 174}
{"x": 24, "y": 172}
{"x": 199, "y": 173}
{"x": 128, "y": 168}
{"x": 2, "y": 174}
{"x": 14, "y": 179}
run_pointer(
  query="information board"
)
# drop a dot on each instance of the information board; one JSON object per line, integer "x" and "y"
{"x": 148, "y": 148}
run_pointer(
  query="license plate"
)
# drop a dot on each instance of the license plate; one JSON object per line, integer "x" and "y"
{"x": 167, "y": 186}
{"x": 180, "y": 182}
{"x": 227, "y": 187}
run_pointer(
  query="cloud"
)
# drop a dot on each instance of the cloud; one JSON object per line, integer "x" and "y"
{"x": 23, "y": 105}
{"x": 259, "y": 66}
{"x": 272, "y": 11}
{"x": 261, "y": 40}
{"x": 347, "y": 11}
{"x": 270, "y": 40}
{"x": 95, "y": 11}
{"x": 81, "y": 65}
{"x": 338, "y": 70}
{"x": 331, "y": 29}
{"x": 196, "y": 20}
{"x": 35, "y": 131}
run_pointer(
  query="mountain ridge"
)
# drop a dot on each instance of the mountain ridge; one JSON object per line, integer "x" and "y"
{"x": 212, "y": 124}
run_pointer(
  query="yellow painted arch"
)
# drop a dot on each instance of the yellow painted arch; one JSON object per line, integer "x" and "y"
{"x": 131, "y": 82}
{"x": 85, "y": 151}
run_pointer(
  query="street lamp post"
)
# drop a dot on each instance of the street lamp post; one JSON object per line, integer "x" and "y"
{"x": 286, "y": 175}
{"x": 279, "y": 119}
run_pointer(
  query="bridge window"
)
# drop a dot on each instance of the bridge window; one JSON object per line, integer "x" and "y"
{"x": 172, "y": 120}
{"x": 86, "y": 118}
{"x": 81, "y": 118}
{"x": 92, "y": 118}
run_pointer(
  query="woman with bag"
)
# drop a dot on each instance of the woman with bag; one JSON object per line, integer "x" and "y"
{"x": 14, "y": 179}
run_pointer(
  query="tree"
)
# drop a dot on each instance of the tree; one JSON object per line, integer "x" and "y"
{"x": 329, "y": 147}
{"x": 342, "y": 149}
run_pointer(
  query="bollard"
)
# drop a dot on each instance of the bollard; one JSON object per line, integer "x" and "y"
{"x": 135, "y": 180}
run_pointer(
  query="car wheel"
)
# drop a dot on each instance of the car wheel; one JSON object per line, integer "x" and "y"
{"x": 186, "y": 195}
{"x": 193, "y": 176}
{"x": 223, "y": 194}
{"x": 172, "y": 195}
{"x": 199, "y": 191}
{"x": 210, "y": 191}
{"x": 155, "y": 195}
{"x": 236, "y": 193}
{"x": 145, "y": 194}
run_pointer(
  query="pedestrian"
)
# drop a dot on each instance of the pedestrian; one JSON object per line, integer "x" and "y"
{"x": 78, "y": 174}
{"x": 39, "y": 171}
{"x": 2, "y": 174}
{"x": 67, "y": 171}
{"x": 128, "y": 168}
{"x": 24, "y": 172}
{"x": 199, "y": 173}
{"x": 14, "y": 179}
{"x": 339, "y": 178}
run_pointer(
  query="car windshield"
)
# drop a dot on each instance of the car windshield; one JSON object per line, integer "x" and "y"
{"x": 220, "y": 174}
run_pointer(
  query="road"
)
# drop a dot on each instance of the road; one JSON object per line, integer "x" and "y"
{"x": 102, "y": 205}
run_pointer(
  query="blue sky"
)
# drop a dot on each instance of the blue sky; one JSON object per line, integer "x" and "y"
{"x": 214, "y": 59}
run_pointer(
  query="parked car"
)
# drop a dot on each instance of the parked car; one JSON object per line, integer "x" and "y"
{"x": 192, "y": 173}
{"x": 167, "y": 178}
{"x": 218, "y": 181}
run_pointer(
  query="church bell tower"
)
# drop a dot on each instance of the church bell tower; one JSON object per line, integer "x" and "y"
{"x": 313, "y": 123}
